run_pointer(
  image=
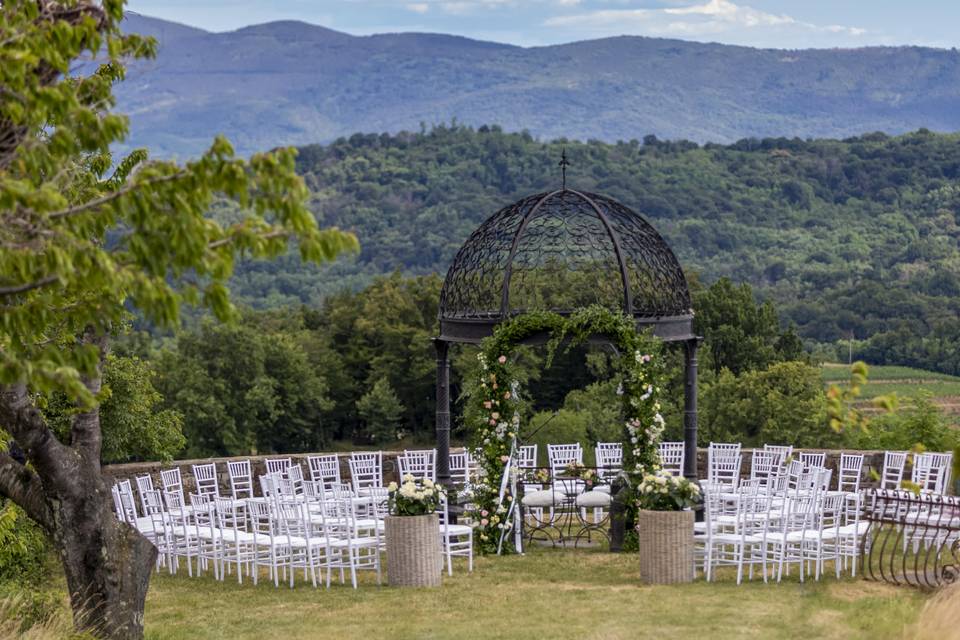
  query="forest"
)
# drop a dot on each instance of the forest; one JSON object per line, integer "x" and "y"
{"x": 853, "y": 240}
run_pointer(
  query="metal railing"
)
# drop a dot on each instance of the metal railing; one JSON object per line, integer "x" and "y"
{"x": 911, "y": 539}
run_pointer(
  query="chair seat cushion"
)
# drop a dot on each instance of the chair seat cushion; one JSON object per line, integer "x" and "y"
{"x": 455, "y": 529}
{"x": 545, "y": 498}
{"x": 593, "y": 499}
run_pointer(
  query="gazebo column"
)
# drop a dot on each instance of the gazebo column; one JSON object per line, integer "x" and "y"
{"x": 689, "y": 409}
{"x": 443, "y": 411}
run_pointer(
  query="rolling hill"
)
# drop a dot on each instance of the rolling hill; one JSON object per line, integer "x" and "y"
{"x": 293, "y": 83}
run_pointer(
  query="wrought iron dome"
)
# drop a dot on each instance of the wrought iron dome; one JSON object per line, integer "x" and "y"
{"x": 561, "y": 250}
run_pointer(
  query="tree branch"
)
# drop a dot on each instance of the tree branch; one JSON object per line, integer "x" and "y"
{"x": 29, "y": 286}
{"x": 56, "y": 463}
{"x": 102, "y": 200}
{"x": 267, "y": 236}
{"x": 23, "y": 486}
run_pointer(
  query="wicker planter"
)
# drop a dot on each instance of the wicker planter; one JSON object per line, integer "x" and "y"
{"x": 666, "y": 546}
{"x": 413, "y": 551}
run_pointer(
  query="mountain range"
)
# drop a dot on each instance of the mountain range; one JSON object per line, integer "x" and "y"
{"x": 292, "y": 83}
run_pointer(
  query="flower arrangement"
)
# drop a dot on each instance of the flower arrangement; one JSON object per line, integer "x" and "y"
{"x": 577, "y": 470}
{"x": 664, "y": 491}
{"x": 538, "y": 476}
{"x": 413, "y": 497}
{"x": 494, "y": 395}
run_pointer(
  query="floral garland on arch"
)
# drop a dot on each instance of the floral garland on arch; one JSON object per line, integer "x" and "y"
{"x": 640, "y": 368}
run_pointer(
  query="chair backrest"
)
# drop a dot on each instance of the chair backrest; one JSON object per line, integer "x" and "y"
{"x": 609, "y": 456}
{"x": 171, "y": 481}
{"x": 528, "y": 456}
{"x": 294, "y": 481}
{"x": 230, "y": 514}
{"x": 850, "y": 471}
{"x": 202, "y": 506}
{"x": 261, "y": 518}
{"x": 124, "y": 503}
{"x": 764, "y": 465}
{"x": 784, "y": 451}
{"x": 459, "y": 467}
{"x": 205, "y": 478}
{"x": 278, "y": 465}
{"x": 810, "y": 459}
{"x": 419, "y": 464}
{"x": 723, "y": 463}
{"x": 241, "y": 480}
{"x": 672, "y": 457}
{"x": 144, "y": 488}
{"x": 561, "y": 455}
{"x": 893, "y": 464}
{"x": 943, "y": 463}
{"x": 366, "y": 470}
{"x": 325, "y": 469}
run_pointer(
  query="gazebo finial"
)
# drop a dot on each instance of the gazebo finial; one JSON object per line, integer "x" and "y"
{"x": 564, "y": 163}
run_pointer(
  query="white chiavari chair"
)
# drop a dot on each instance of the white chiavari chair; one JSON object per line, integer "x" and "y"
{"x": 241, "y": 480}
{"x": 207, "y": 532}
{"x": 278, "y": 465}
{"x": 783, "y": 452}
{"x": 672, "y": 457}
{"x": 181, "y": 532}
{"x": 419, "y": 464}
{"x": 609, "y": 458}
{"x": 350, "y": 547}
{"x": 271, "y": 547}
{"x": 811, "y": 459}
{"x": 366, "y": 471}
{"x": 236, "y": 542}
{"x": 145, "y": 489}
{"x": 457, "y": 539}
{"x": 325, "y": 469}
{"x": 894, "y": 463}
{"x": 205, "y": 479}
{"x": 170, "y": 480}
{"x": 764, "y": 465}
{"x": 723, "y": 464}
{"x": 527, "y": 456}
{"x": 459, "y": 468}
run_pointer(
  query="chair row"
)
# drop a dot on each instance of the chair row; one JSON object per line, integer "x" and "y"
{"x": 930, "y": 472}
{"x": 295, "y": 525}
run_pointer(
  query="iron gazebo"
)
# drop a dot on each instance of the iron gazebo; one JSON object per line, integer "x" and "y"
{"x": 557, "y": 251}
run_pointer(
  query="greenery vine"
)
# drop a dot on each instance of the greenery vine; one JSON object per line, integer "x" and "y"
{"x": 640, "y": 367}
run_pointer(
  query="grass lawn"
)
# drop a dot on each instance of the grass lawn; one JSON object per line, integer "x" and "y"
{"x": 545, "y": 594}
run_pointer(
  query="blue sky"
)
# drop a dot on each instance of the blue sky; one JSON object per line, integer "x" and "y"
{"x": 759, "y": 23}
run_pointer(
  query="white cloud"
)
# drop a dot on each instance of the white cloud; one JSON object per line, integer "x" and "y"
{"x": 418, "y": 7}
{"x": 721, "y": 19}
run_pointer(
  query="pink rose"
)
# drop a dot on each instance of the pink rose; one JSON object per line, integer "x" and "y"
{"x": 502, "y": 359}
{"x": 506, "y": 396}
{"x": 484, "y": 522}
{"x": 484, "y": 513}
{"x": 487, "y": 404}
{"x": 495, "y": 415}
{"x": 504, "y": 458}
{"x": 493, "y": 423}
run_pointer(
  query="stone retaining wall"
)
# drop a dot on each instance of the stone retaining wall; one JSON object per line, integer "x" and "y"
{"x": 873, "y": 460}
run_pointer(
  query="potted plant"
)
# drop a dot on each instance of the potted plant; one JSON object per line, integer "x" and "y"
{"x": 665, "y": 527}
{"x": 414, "y": 557}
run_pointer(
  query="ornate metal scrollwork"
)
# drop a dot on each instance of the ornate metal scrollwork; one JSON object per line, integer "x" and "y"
{"x": 559, "y": 251}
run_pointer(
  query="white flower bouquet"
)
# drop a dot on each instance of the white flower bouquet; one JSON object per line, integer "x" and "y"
{"x": 664, "y": 491}
{"x": 413, "y": 497}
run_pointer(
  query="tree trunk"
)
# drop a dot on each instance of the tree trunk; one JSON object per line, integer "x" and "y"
{"x": 107, "y": 564}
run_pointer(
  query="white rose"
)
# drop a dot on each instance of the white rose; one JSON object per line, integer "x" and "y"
{"x": 392, "y": 487}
